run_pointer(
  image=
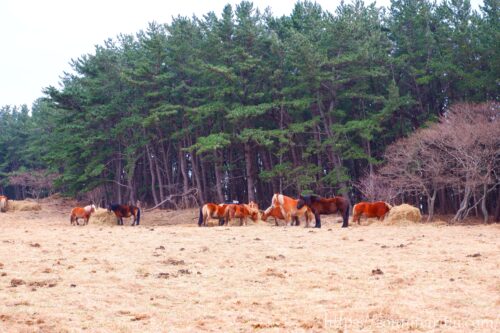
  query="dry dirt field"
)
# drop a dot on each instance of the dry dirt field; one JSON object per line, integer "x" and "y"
{"x": 169, "y": 277}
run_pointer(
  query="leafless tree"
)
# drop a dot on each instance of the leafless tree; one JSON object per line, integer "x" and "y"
{"x": 34, "y": 183}
{"x": 461, "y": 151}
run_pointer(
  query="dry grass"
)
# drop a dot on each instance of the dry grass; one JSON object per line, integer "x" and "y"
{"x": 181, "y": 278}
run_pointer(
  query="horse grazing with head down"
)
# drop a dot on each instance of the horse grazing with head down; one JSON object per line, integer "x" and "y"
{"x": 289, "y": 209}
{"x": 319, "y": 205}
{"x": 122, "y": 211}
{"x": 275, "y": 212}
{"x": 3, "y": 203}
{"x": 377, "y": 209}
{"x": 242, "y": 212}
{"x": 81, "y": 213}
{"x": 214, "y": 211}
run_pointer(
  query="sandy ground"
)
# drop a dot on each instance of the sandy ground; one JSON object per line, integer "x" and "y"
{"x": 161, "y": 277}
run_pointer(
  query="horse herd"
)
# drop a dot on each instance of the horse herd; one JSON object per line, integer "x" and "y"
{"x": 291, "y": 210}
{"x": 282, "y": 208}
{"x": 120, "y": 212}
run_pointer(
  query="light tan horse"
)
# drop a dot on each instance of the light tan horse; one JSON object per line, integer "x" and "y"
{"x": 288, "y": 208}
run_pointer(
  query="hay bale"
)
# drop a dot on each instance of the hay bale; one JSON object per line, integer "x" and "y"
{"x": 23, "y": 206}
{"x": 403, "y": 214}
{"x": 103, "y": 216}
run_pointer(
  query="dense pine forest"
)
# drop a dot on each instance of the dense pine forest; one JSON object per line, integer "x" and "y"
{"x": 240, "y": 104}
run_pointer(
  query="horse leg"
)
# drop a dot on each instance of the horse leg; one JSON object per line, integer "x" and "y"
{"x": 345, "y": 217}
{"x": 318, "y": 220}
{"x": 297, "y": 221}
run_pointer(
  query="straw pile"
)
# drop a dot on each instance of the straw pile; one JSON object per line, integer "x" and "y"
{"x": 102, "y": 216}
{"x": 403, "y": 214}
{"x": 23, "y": 205}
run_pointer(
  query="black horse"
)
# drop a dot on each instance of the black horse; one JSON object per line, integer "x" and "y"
{"x": 319, "y": 205}
{"x": 122, "y": 211}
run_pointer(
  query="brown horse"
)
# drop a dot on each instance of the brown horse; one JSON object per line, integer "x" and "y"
{"x": 326, "y": 206}
{"x": 370, "y": 209}
{"x": 122, "y": 211}
{"x": 214, "y": 211}
{"x": 81, "y": 213}
{"x": 3, "y": 203}
{"x": 242, "y": 212}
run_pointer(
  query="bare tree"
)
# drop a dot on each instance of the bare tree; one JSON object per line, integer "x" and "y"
{"x": 34, "y": 183}
{"x": 461, "y": 151}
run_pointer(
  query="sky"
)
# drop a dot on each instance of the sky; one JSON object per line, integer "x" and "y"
{"x": 38, "y": 38}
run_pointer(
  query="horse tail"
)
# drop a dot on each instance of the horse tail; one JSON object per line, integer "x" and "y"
{"x": 200, "y": 219}
{"x": 138, "y": 216}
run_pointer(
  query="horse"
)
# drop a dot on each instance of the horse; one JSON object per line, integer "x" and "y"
{"x": 377, "y": 209}
{"x": 214, "y": 211}
{"x": 3, "y": 203}
{"x": 242, "y": 212}
{"x": 122, "y": 211}
{"x": 81, "y": 213}
{"x": 275, "y": 212}
{"x": 319, "y": 205}
{"x": 289, "y": 209}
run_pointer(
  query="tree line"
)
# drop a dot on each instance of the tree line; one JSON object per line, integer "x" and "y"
{"x": 244, "y": 104}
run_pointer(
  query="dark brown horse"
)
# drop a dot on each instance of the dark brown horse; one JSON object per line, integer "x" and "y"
{"x": 320, "y": 205}
{"x": 122, "y": 211}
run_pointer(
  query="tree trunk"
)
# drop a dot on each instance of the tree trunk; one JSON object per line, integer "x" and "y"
{"x": 118, "y": 187}
{"x": 167, "y": 165}
{"x": 430, "y": 203}
{"x": 204, "y": 179}
{"x": 184, "y": 172}
{"x": 497, "y": 210}
{"x": 218, "y": 176}
{"x": 159, "y": 178}
{"x": 196, "y": 173}
{"x": 152, "y": 173}
{"x": 484, "y": 210}
{"x": 462, "y": 211}
{"x": 249, "y": 172}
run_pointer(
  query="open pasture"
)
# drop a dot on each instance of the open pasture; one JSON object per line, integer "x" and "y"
{"x": 168, "y": 275}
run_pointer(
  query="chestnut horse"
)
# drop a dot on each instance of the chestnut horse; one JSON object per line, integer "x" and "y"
{"x": 122, "y": 211}
{"x": 81, "y": 213}
{"x": 3, "y": 203}
{"x": 319, "y": 205}
{"x": 370, "y": 209}
{"x": 214, "y": 211}
{"x": 242, "y": 212}
{"x": 288, "y": 207}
